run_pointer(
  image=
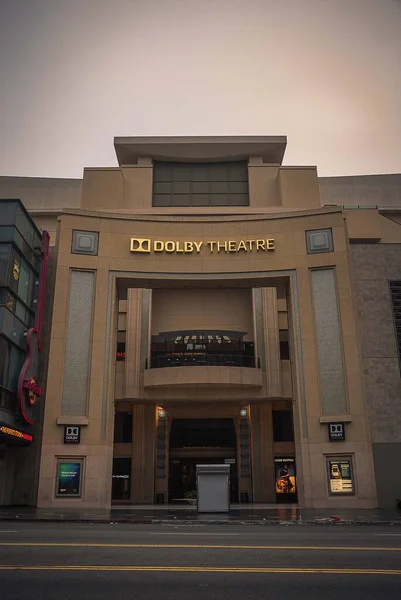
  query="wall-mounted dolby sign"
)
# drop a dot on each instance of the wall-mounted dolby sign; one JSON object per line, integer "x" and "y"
{"x": 189, "y": 247}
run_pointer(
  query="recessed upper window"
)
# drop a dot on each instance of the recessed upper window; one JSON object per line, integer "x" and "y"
{"x": 200, "y": 184}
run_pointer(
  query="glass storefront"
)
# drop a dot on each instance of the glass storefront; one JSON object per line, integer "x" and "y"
{"x": 121, "y": 486}
{"x": 20, "y": 246}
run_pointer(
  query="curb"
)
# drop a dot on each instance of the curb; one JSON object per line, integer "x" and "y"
{"x": 232, "y": 522}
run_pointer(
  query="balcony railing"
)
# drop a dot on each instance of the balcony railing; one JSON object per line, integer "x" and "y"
{"x": 190, "y": 359}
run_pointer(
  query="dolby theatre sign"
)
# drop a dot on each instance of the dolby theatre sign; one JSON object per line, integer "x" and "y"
{"x": 189, "y": 247}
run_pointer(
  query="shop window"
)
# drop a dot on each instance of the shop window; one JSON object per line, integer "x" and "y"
{"x": 121, "y": 485}
{"x": 8, "y": 401}
{"x": 8, "y": 211}
{"x": 17, "y": 358}
{"x": 25, "y": 227}
{"x": 6, "y": 234}
{"x": 12, "y": 328}
{"x": 7, "y": 300}
{"x": 16, "y": 274}
{"x": 23, "y": 282}
{"x": 123, "y": 428}
{"x": 5, "y": 250}
{"x": 11, "y": 361}
{"x": 18, "y": 228}
{"x": 14, "y": 271}
{"x": 203, "y": 433}
{"x": 20, "y": 311}
{"x": 284, "y": 344}
{"x": 121, "y": 351}
{"x": 26, "y": 250}
{"x": 4, "y": 351}
{"x": 282, "y": 426}
{"x": 121, "y": 335}
{"x": 16, "y": 307}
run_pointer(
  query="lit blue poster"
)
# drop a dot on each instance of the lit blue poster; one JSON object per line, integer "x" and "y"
{"x": 69, "y": 479}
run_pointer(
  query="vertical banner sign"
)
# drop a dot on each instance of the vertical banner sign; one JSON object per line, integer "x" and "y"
{"x": 69, "y": 479}
{"x": 285, "y": 475}
{"x": 340, "y": 476}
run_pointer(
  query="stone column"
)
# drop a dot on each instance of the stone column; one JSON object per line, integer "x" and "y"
{"x": 133, "y": 343}
{"x": 262, "y": 454}
{"x": 272, "y": 343}
{"x": 143, "y": 454}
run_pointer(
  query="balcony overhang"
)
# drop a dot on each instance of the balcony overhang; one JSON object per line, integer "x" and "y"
{"x": 207, "y": 376}
{"x": 200, "y": 149}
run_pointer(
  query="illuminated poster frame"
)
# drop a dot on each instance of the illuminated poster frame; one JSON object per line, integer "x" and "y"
{"x": 285, "y": 476}
{"x": 69, "y": 477}
{"x": 340, "y": 475}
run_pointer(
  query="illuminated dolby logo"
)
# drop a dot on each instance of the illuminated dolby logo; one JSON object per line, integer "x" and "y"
{"x": 189, "y": 247}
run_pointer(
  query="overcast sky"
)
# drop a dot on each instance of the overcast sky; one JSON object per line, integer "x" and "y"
{"x": 76, "y": 73}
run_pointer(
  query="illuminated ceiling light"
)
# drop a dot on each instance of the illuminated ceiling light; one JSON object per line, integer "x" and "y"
{"x": 243, "y": 412}
{"x": 161, "y": 413}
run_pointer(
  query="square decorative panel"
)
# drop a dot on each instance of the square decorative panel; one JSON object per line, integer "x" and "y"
{"x": 85, "y": 242}
{"x": 319, "y": 240}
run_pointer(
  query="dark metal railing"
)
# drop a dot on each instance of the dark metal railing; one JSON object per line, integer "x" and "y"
{"x": 190, "y": 359}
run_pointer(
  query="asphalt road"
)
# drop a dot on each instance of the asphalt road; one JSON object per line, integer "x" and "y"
{"x": 44, "y": 561}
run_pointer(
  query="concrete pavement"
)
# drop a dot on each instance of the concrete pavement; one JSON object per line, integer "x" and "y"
{"x": 49, "y": 561}
{"x": 239, "y": 515}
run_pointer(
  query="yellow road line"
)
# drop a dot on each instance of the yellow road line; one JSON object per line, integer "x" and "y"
{"x": 200, "y": 569}
{"x": 197, "y": 546}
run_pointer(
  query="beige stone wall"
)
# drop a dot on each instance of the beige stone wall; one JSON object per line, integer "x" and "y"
{"x": 137, "y": 186}
{"x": 102, "y": 188}
{"x": 373, "y": 266}
{"x": 263, "y": 184}
{"x": 229, "y": 309}
{"x": 130, "y": 188}
{"x": 363, "y": 225}
{"x": 42, "y": 193}
{"x": 271, "y": 333}
{"x": 95, "y": 449}
{"x": 298, "y": 186}
{"x": 205, "y": 270}
{"x": 123, "y": 188}
{"x": 284, "y": 203}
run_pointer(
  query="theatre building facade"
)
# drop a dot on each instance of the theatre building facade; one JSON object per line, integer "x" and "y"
{"x": 205, "y": 311}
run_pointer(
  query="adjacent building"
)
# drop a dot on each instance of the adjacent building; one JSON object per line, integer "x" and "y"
{"x": 24, "y": 255}
{"x": 209, "y": 305}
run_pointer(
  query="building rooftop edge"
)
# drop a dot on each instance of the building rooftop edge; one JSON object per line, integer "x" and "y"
{"x": 73, "y": 180}
{"x": 154, "y": 216}
{"x": 200, "y": 148}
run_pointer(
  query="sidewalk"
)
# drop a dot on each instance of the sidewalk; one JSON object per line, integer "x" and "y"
{"x": 245, "y": 514}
